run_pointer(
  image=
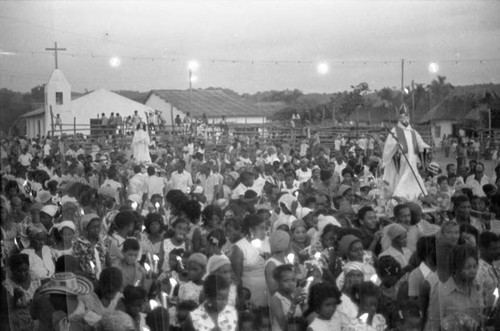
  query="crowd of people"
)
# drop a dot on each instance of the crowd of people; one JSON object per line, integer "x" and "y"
{"x": 250, "y": 238}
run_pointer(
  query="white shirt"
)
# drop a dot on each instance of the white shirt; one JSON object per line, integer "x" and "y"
{"x": 402, "y": 258}
{"x": 137, "y": 184}
{"x": 43, "y": 267}
{"x": 115, "y": 185}
{"x": 477, "y": 187}
{"x": 303, "y": 176}
{"x": 25, "y": 159}
{"x": 181, "y": 181}
{"x": 155, "y": 185}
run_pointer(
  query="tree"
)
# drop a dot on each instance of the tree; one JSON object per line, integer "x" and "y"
{"x": 352, "y": 100}
{"x": 38, "y": 93}
{"x": 439, "y": 89}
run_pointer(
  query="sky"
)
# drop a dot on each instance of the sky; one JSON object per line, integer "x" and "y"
{"x": 249, "y": 46}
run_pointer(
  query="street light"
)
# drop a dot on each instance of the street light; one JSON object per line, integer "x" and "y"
{"x": 323, "y": 68}
{"x": 433, "y": 67}
{"x": 192, "y": 66}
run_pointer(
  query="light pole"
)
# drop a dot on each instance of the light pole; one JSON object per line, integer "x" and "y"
{"x": 192, "y": 66}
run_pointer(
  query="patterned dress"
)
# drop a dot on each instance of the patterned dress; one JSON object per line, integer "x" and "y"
{"x": 227, "y": 319}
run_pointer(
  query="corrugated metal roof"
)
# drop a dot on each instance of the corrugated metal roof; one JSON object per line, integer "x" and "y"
{"x": 213, "y": 103}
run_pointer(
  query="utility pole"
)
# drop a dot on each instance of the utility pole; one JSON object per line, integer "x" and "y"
{"x": 402, "y": 80}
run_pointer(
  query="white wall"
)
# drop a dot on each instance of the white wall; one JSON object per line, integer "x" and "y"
{"x": 57, "y": 83}
{"x": 446, "y": 129}
{"x": 32, "y": 127}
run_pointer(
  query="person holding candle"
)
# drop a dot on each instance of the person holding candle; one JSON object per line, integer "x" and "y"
{"x": 152, "y": 237}
{"x": 89, "y": 248}
{"x": 286, "y": 302}
{"x": 367, "y": 295}
{"x": 214, "y": 313}
{"x": 40, "y": 257}
{"x": 196, "y": 267}
{"x": 133, "y": 273}
{"x": 178, "y": 241}
{"x": 487, "y": 276}
{"x": 248, "y": 259}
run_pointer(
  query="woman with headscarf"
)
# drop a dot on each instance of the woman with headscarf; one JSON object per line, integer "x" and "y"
{"x": 64, "y": 233}
{"x": 140, "y": 144}
{"x": 249, "y": 256}
{"x": 39, "y": 254}
{"x": 398, "y": 236}
{"x": 21, "y": 285}
{"x": 279, "y": 241}
{"x": 89, "y": 247}
{"x": 353, "y": 272}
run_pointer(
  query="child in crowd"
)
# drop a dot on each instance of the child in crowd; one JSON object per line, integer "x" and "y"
{"x": 178, "y": 241}
{"x": 196, "y": 269}
{"x": 133, "y": 273}
{"x": 286, "y": 302}
{"x": 323, "y": 301}
{"x": 368, "y": 296}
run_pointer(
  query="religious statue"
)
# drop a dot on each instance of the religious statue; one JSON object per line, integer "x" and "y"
{"x": 400, "y": 157}
{"x": 140, "y": 144}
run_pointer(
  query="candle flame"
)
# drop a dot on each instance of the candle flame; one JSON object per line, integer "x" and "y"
{"x": 317, "y": 255}
{"x": 495, "y": 293}
{"x": 153, "y": 304}
{"x": 257, "y": 243}
{"x": 291, "y": 258}
{"x": 155, "y": 257}
{"x": 364, "y": 318}
{"x": 147, "y": 267}
{"x": 173, "y": 282}
{"x": 92, "y": 264}
{"x": 374, "y": 279}
{"x": 157, "y": 205}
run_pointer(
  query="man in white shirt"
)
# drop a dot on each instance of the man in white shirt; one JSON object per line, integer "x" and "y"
{"x": 303, "y": 173}
{"x": 155, "y": 184}
{"x": 478, "y": 180}
{"x": 137, "y": 183}
{"x": 181, "y": 179}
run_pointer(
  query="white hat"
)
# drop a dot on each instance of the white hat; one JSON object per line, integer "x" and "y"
{"x": 50, "y": 210}
{"x": 43, "y": 196}
{"x": 303, "y": 212}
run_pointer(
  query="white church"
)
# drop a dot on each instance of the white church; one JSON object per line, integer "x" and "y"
{"x": 76, "y": 114}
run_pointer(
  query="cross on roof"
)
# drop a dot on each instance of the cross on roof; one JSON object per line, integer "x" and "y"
{"x": 55, "y": 49}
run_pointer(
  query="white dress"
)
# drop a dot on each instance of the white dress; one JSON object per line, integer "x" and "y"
{"x": 404, "y": 183}
{"x": 140, "y": 147}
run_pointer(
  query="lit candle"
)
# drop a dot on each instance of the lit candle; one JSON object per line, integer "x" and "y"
{"x": 179, "y": 259}
{"x": 155, "y": 263}
{"x": 173, "y": 284}
{"x": 134, "y": 205}
{"x": 374, "y": 279}
{"x": 82, "y": 212}
{"x": 147, "y": 267}
{"x": 291, "y": 258}
{"x": 164, "y": 300}
{"x": 495, "y": 293}
{"x": 153, "y": 304}
{"x": 137, "y": 282}
{"x": 308, "y": 283}
{"x": 157, "y": 206}
{"x": 143, "y": 228}
{"x": 317, "y": 255}
{"x": 92, "y": 265}
{"x": 257, "y": 243}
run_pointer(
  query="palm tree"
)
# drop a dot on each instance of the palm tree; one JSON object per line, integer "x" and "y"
{"x": 439, "y": 89}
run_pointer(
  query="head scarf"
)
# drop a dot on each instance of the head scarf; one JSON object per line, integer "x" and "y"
{"x": 279, "y": 241}
{"x": 216, "y": 262}
{"x": 395, "y": 230}
{"x": 346, "y": 243}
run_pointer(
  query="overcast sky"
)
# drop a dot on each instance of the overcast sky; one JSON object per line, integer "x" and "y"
{"x": 264, "y": 32}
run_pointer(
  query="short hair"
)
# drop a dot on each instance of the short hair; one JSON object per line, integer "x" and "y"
{"x": 346, "y": 171}
{"x": 192, "y": 209}
{"x": 441, "y": 179}
{"x": 151, "y": 170}
{"x": 179, "y": 220}
{"x": 131, "y": 244}
{"x": 250, "y": 221}
{"x": 458, "y": 200}
{"x": 325, "y": 175}
{"x": 459, "y": 255}
{"x": 426, "y": 246}
{"x": 212, "y": 284}
{"x": 319, "y": 292}
{"x": 210, "y": 211}
{"x": 330, "y": 228}
{"x": 110, "y": 281}
{"x": 448, "y": 166}
{"x": 362, "y": 212}
{"x": 124, "y": 219}
{"x": 467, "y": 228}
{"x": 150, "y": 219}
{"x": 282, "y": 269}
{"x": 134, "y": 293}
{"x": 388, "y": 266}
{"x": 486, "y": 238}
{"x": 398, "y": 208}
{"x": 364, "y": 290}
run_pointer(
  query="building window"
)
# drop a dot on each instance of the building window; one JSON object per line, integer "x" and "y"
{"x": 59, "y": 98}
{"x": 437, "y": 131}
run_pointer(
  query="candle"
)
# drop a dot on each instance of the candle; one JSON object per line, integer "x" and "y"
{"x": 257, "y": 243}
{"x": 153, "y": 304}
{"x": 179, "y": 259}
{"x": 317, "y": 255}
{"x": 134, "y": 205}
{"x": 308, "y": 283}
{"x": 157, "y": 206}
{"x": 291, "y": 258}
{"x": 495, "y": 293}
{"x": 173, "y": 284}
{"x": 143, "y": 228}
{"x": 92, "y": 265}
{"x": 147, "y": 267}
{"x": 375, "y": 280}
{"x": 137, "y": 282}
{"x": 155, "y": 263}
{"x": 164, "y": 300}
{"x": 364, "y": 318}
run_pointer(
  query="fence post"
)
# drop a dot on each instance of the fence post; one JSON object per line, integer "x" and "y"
{"x": 74, "y": 126}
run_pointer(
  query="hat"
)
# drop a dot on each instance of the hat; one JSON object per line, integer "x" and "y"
{"x": 65, "y": 224}
{"x": 135, "y": 197}
{"x": 279, "y": 241}
{"x": 433, "y": 167}
{"x": 346, "y": 243}
{"x": 303, "y": 212}
{"x": 198, "y": 258}
{"x": 216, "y": 262}
{"x": 85, "y": 220}
{"x": 287, "y": 199}
{"x": 296, "y": 224}
{"x": 403, "y": 110}
{"x": 342, "y": 189}
{"x": 50, "y": 210}
{"x": 324, "y": 220}
{"x": 315, "y": 167}
{"x": 394, "y": 230}
{"x": 107, "y": 190}
{"x": 352, "y": 266}
{"x": 67, "y": 283}
{"x": 43, "y": 196}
